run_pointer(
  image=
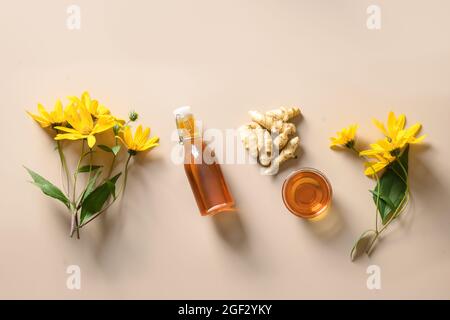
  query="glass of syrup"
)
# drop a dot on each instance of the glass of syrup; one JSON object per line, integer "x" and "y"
{"x": 307, "y": 193}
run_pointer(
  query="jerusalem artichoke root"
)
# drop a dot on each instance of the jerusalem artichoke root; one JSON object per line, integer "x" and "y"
{"x": 287, "y": 153}
{"x": 249, "y": 138}
{"x": 257, "y": 136}
{"x": 258, "y": 141}
{"x": 265, "y": 154}
{"x": 283, "y": 114}
{"x": 287, "y": 130}
{"x": 270, "y": 123}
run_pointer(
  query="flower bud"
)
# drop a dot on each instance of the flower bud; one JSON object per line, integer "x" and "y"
{"x": 116, "y": 129}
{"x": 133, "y": 116}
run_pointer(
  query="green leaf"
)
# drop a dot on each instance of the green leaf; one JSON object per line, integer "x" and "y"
{"x": 88, "y": 168}
{"x": 95, "y": 201}
{"x": 112, "y": 188}
{"x": 392, "y": 188}
{"x": 48, "y": 188}
{"x": 382, "y": 198}
{"x": 115, "y": 149}
{"x": 91, "y": 185}
{"x": 362, "y": 244}
{"x": 105, "y": 148}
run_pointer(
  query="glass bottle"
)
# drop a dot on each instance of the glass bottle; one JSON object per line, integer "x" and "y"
{"x": 205, "y": 176}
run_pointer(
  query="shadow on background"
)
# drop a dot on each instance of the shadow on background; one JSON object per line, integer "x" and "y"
{"x": 230, "y": 228}
{"x": 328, "y": 225}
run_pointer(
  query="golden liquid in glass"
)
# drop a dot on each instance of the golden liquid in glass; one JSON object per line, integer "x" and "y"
{"x": 307, "y": 193}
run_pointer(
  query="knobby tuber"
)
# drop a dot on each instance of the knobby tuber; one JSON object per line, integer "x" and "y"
{"x": 267, "y": 149}
{"x": 287, "y": 153}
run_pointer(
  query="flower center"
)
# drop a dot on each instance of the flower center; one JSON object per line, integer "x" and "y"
{"x": 86, "y": 130}
{"x": 395, "y": 152}
{"x": 350, "y": 144}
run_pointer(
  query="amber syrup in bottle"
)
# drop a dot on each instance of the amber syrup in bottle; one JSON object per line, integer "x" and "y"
{"x": 205, "y": 176}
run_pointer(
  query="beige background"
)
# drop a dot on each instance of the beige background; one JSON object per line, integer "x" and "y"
{"x": 224, "y": 58}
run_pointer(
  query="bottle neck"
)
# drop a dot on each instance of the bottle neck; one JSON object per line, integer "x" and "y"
{"x": 187, "y": 129}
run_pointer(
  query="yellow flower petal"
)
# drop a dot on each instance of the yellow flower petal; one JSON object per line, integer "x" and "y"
{"x": 413, "y": 130}
{"x": 86, "y": 118}
{"x": 42, "y": 122}
{"x": 85, "y": 98}
{"x": 138, "y": 134}
{"x": 43, "y": 112}
{"x": 417, "y": 140}
{"x": 374, "y": 167}
{"x": 153, "y": 142}
{"x": 58, "y": 113}
{"x": 103, "y": 124}
{"x": 391, "y": 122}
{"x": 102, "y": 110}
{"x": 380, "y": 126}
{"x": 369, "y": 152}
{"x": 69, "y": 136}
{"x": 127, "y": 137}
{"x": 91, "y": 141}
{"x": 65, "y": 129}
{"x": 144, "y": 136}
{"x": 400, "y": 123}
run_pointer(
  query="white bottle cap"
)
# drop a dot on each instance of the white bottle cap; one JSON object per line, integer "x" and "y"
{"x": 182, "y": 111}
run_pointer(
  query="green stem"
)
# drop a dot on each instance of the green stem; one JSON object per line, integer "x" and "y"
{"x": 394, "y": 215}
{"x": 75, "y": 175}
{"x": 404, "y": 171}
{"x": 125, "y": 178}
{"x": 378, "y": 199}
{"x": 113, "y": 162}
{"x": 119, "y": 194}
{"x": 81, "y": 195}
{"x": 74, "y": 225}
{"x": 378, "y": 189}
{"x": 399, "y": 175}
{"x": 90, "y": 167}
{"x": 62, "y": 158}
{"x": 377, "y": 232}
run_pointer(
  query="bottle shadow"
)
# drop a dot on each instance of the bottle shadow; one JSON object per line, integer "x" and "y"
{"x": 230, "y": 228}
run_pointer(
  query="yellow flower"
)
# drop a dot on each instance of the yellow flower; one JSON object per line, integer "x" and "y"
{"x": 397, "y": 137}
{"x": 140, "y": 142}
{"x": 91, "y": 105}
{"x": 52, "y": 118}
{"x": 120, "y": 122}
{"x": 373, "y": 167}
{"x": 384, "y": 151}
{"x": 345, "y": 137}
{"x": 396, "y": 132}
{"x": 381, "y": 147}
{"x": 96, "y": 110}
{"x": 394, "y": 125}
{"x": 83, "y": 126}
